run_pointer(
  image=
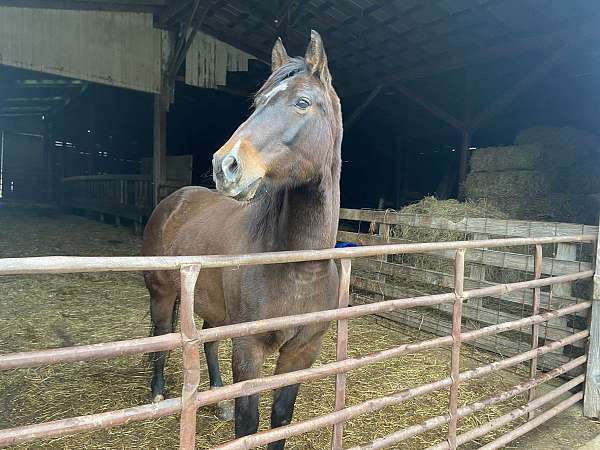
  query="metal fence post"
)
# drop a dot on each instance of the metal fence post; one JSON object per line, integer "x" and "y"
{"x": 535, "y": 328}
{"x": 341, "y": 351}
{"x": 591, "y": 400}
{"x": 191, "y": 358}
{"x": 459, "y": 280}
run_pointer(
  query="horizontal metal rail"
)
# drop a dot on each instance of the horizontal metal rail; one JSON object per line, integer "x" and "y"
{"x": 369, "y": 406}
{"x": 167, "y": 407}
{"x": 464, "y": 411}
{"x": 173, "y": 340}
{"x": 109, "y": 419}
{"x": 79, "y": 264}
{"x": 501, "y": 421}
{"x": 79, "y": 353}
{"x": 194, "y": 337}
{"x": 528, "y": 426}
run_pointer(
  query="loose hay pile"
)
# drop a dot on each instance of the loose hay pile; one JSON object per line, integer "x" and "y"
{"x": 550, "y": 174}
{"x": 60, "y": 310}
{"x": 452, "y": 210}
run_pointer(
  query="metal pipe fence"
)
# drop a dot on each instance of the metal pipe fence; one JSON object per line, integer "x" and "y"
{"x": 190, "y": 338}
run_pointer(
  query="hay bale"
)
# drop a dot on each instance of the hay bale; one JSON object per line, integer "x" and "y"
{"x": 511, "y": 157}
{"x": 561, "y": 146}
{"x": 556, "y": 207}
{"x": 454, "y": 211}
{"x": 509, "y": 183}
{"x": 577, "y": 179}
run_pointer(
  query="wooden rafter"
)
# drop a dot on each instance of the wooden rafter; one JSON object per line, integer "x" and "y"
{"x": 361, "y": 108}
{"x": 524, "y": 83}
{"x": 429, "y": 106}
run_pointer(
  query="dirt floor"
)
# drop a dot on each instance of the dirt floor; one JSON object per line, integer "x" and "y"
{"x": 48, "y": 311}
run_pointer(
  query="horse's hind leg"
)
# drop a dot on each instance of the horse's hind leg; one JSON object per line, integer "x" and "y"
{"x": 163, "y": 299}
{"x": 224, "y": 409}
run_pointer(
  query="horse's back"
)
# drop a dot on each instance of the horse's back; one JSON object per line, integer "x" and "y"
{"x": 183, "y": 222}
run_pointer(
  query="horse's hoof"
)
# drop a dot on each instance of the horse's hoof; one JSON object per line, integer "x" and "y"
{"x": 225, "y": 410}
{"x": 158, "y": 398}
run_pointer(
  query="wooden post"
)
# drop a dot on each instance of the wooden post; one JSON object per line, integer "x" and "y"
{"x": 477, "y": 273}
{"x": 591, "y": 400}
{"x": 566, "y": 252}
{"x": 384, "y": 233}
{"x": 463, "y": 168}
{"x": 159, "y": 172}
{"x": 400, "y": 159}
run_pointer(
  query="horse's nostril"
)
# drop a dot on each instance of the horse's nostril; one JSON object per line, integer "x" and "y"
{"x": 230, "y": 168}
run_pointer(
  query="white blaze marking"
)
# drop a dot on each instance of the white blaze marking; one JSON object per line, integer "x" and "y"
{"x": 235, "y": 148}
{"x": 279, "y": 88}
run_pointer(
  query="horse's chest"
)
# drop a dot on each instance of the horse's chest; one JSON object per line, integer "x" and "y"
{"x": 307, "y": 282}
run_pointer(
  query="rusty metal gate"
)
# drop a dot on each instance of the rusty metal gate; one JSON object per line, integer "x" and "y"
{"x": 190, "y": 338}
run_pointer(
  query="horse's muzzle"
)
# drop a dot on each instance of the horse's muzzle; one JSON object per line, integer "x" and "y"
{"x": 230, "y": 179}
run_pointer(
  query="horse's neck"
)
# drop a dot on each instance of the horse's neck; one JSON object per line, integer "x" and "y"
{"x": 298, "y": 219}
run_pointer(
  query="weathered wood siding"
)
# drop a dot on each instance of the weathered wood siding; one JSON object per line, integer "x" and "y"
{"x": 116, "y": 48}
{"x": 208, "y": 60}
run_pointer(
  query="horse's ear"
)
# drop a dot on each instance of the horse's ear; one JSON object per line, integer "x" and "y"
{"x": 316, "y": 59}
{"x": 278, "y": 56}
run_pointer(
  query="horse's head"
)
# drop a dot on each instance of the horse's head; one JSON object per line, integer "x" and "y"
{"x": 294, "y": 134}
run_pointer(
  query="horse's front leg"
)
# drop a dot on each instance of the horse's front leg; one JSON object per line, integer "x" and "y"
{"x": 224, "y": 409}
{"x": 247, "y": 361}
{"x": 294, "y": 355}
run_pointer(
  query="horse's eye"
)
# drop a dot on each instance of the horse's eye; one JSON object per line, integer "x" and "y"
{"x": 302, "y": 103}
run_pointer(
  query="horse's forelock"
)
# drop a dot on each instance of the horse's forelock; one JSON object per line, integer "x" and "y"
{"x": 293, "y": 67}
{"x": 285, "y": 71}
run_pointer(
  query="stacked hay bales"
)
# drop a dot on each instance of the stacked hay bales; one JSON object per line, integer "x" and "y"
{"x": 550, "y": 174}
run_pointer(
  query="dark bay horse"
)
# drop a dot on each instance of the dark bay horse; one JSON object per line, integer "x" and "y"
{"x": 277, "y": 181}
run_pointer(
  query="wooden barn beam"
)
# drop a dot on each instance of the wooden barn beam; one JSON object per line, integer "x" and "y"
{"x": 361, "y": 108}
{"x": 524, "y": 83}
{"x": 463, "y": 165}
{"x": 284, "y": 9}
{"x": 171, "y": 15}
{"x": 433, "y": 109}
{"x": 591, "y": 399}
{"x": 188, "y": 34}
{"x": 159, "y": 148}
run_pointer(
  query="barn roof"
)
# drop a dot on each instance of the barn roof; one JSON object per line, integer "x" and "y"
{"x": 375, "y": 42}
